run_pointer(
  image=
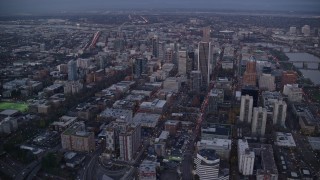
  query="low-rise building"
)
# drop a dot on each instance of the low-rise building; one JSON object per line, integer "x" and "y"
{"x": 63, "y": 123}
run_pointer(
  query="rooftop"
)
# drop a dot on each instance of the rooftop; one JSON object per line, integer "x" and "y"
{"x": 284, "y": 139}
{"x": 146, "y": 119}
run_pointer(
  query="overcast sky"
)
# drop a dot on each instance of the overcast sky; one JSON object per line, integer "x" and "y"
{"x": 40, "y": 6}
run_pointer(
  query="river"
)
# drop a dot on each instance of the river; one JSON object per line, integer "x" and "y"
{"x": 312, "y": 72}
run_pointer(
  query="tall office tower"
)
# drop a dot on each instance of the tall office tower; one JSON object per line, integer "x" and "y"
{"x": 72, "y": 70}
{"x": 250, "y": 75}
{"x": 129, "y": 141}
{"x": 140, "y": 67}
{"x": 102, "y": 62}
{"x": 195, "y": 81}
{"x": 169, "y": 55}
{"x": 162, "y": 51}
{"x": 259, "y": 119}
{"x": 245, "y": 158}
{"x": 182, "y": 62}
{"x": 279, "y": 112}
{"x": 204, "y": 62}
{"x": 155, "y": 46}
{"x": 246, "y": 108}
{"x": 292, "y": 30}
{"x": 305, "y": 30}
{"x": 190, "y": 66}
{"x": 206, "y": 34}
{"x": 289, "y": 77}
{"x": 251, "y": 91}
{"x": 207, "y": 164}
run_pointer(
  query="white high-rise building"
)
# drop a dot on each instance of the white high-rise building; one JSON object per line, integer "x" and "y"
{"x": 245, "y": 158}
{"x": 279, "y": 112}
{"x": 246, "y": 108}
{"x": 305, "y": 30}
{"x": 207, "y": 164}
{"x": 259, "y": 119}
{"x": 182, "y": 62}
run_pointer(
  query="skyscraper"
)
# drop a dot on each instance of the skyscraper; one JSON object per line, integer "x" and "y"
{"x": 206, "y": 34}
{"x": 140, "y": 67}
{"x": 250, "y": 75}
{"x": 279, "y": 112}
{"x": 155, "y": 46}
{"x": 195, "y": 81}
{"x": 72, "y": 70}
{"x": 204, "y": 62}
{"x": 259, "y": 119}
{"x": 182, "y": 62}
{"x": 246, "y": 108}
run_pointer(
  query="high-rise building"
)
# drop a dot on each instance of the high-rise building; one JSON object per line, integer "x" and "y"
{"x": 155, "y": 46}
{"x": 245, "y": 158}
{"x": 206, "y": 34}
{"x": 250, "y": 75}
{"x": 246, "y": 108}
{"x": 195, "y": 81}
{"x": 279, "y": 112}
{"x": 292, "y": 30}
{"x": 140, "y": 67}
{"x": 76, "y": 138}
{"x": 182, "y": 62}
{"x": 72, "y": 70}
{"x": 207, "y": 164}
{"x": 204, "y": 62}
{"x": 123, "y": 137}
{"x": 129, "y": 141}
{"x": 305, "y": 30}
{"x": 216, "y": 98}
{"x": 162, "y": 51}
{"x": 169, "y": 55}
{"x": 192, "y": 63}
{"x": 259, "y": 119}
{"x": 251, "y": 91}
{"x": 289, "y": 77}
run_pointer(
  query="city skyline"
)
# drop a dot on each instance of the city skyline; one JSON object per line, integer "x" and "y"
{"x": 8, "y": 7}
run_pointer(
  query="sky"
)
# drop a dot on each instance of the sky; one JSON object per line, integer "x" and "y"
{"x": 53, "y": 6}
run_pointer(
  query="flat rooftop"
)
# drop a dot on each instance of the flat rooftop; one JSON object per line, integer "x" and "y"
{"x": 146, "y": 119}
{"x": 226, "y": 143}
{"x": 314, "y": 142}
{"x": 284, "y": 139}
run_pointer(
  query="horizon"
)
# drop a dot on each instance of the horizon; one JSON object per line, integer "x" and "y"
{"x": 34, "y": 7}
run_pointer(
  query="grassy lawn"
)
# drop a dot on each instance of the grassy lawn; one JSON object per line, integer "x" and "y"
{"x": 17, "y": 106}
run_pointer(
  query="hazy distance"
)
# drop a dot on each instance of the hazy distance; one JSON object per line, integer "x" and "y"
{"x": 56, "y": 6}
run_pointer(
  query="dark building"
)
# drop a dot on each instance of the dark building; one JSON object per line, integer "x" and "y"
{"x": 251, "y": 91}
{"x": 140, "y": 67}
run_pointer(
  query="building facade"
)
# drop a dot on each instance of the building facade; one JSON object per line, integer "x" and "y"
{"x": 259, "y": 119}
{"x": 246, "y": 108}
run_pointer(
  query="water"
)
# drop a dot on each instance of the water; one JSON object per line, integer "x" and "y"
{"x": 312, "y": 72}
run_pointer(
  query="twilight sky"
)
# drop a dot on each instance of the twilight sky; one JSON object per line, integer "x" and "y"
{"x": 49, "y": 6}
